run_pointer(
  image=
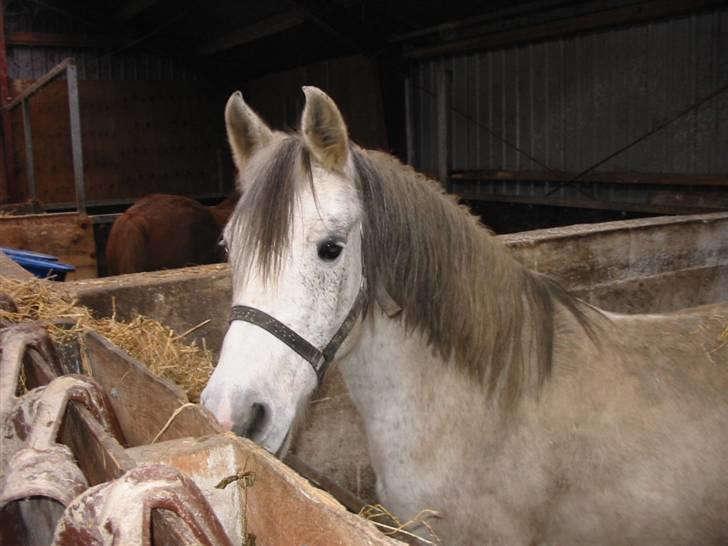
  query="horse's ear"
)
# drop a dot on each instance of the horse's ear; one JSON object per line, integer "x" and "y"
{"x": 245, "y": 130}
{"x": 324, "y": 129}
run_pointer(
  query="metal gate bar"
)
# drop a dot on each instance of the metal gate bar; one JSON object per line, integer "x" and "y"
{"x": 69, "y": 67}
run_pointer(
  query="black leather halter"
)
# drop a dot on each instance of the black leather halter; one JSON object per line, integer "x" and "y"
{"x": 319, "y": 359}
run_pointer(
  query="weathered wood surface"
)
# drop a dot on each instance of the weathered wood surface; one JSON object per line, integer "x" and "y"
{"x": 280, "y": 507}
{"x": 9, "y": 269}
{"x": 99, "y": 456}
{"x": 207, "y": 460}
{"x": 69, "y": 236}
{"x": 143, "y": 403}
{"x": 283, "y": 509}
{"x": 165, "y": 296}
{"x": 287, "y": 510}
{"x": 617, "y": 178}
{"x": 635, "y": 266}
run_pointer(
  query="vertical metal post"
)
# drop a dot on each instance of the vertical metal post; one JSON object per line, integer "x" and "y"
{"x": 28, "y": 136}
{"x": 8, "y": 149}
{"x": 409, "y": 122}
{"x": 76, "y": 140}
{"x": 444, "y": 79}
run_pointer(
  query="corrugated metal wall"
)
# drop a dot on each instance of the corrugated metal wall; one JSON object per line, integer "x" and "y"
{"x": 573, "y": 101}
{"x": 30, "y": 63}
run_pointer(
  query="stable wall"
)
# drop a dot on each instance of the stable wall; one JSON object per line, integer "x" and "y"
{"x": 139, "y": 137}
{"x": 150, "y": 121}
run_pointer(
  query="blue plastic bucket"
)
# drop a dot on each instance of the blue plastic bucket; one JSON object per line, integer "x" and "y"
{"x": 28, "y": 254}
{"x": 42, "y": 266}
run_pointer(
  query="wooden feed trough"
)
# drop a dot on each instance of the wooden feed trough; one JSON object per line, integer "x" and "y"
{"x": 119, "y": 426}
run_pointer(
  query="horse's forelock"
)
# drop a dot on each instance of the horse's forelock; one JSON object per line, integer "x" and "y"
{"x": 261, "y": 224}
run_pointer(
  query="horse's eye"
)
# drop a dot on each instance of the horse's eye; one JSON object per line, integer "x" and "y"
{"x": 329, "y": 250}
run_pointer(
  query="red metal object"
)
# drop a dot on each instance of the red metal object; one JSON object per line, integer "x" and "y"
{"x": 120, "y": 512}
{"x": 8, "y": 151}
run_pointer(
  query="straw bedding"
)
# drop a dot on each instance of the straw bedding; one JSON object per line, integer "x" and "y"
{"x": 158, "y": 347}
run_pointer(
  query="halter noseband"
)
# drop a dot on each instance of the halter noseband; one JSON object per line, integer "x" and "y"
{"x": 319, "y": 359}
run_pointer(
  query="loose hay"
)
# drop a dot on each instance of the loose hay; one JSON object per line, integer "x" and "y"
{"x": 155, "y": 345}
{"x": 391, "y": 525}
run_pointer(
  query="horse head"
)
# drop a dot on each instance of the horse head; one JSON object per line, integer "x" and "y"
{"x": 294, "y": 244}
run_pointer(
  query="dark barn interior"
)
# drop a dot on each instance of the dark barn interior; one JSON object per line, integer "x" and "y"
{"x": 537, "y": 114}
{"x": 561, "y": 381}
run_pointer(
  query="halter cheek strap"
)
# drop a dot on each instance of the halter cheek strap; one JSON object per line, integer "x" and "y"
{"x": 319, "y": 359}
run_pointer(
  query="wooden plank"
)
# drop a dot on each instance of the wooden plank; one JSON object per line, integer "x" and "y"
{"x": 280, "y": 507}
{"x": 207, "y": 461}
{"x": 143, "y": 403}
{"x": 31, "y": 89}
{"x": 564, "y": 26}
{"x": 69, "y": 236}
{"x": 612, "y": 178}
{"x": 10, "y": 270}
{"x": 284, "y": 508}
{"x": 344, "y": 496}
{"x": 699, "y": 199}
{"x": 51, "y": 39}
{"x": 100, "y": 457}
{"x": 656, "y": 208}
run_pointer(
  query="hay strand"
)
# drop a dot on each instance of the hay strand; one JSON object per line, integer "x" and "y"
{"x": 171, "y": 420}
{"x": 391, "y": 525}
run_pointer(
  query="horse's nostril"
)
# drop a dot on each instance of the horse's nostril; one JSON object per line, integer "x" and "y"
{"x": 257, "y": 422}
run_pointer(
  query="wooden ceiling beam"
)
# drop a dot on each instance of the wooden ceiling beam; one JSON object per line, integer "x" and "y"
{"x": 334, "y": 20}
{"x": 132, "y": 8}
{"x": 252, "y": 33}
{"x": 48, "y": 39}
{"x": 493, "y": 37}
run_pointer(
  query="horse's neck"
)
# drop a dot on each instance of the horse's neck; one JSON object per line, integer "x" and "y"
{"x": 381, "y": 373}
{"x": 410, "y": 401}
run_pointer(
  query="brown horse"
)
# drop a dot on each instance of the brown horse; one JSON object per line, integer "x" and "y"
{"x": 222, "y": 211}
{"x": 163, "y": 231}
